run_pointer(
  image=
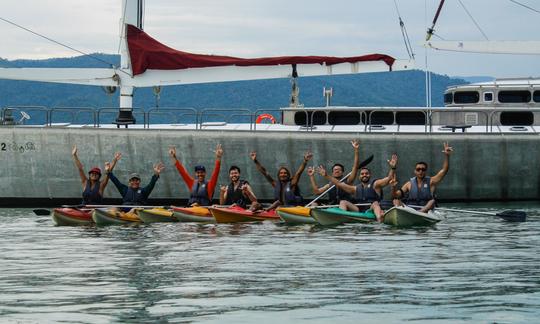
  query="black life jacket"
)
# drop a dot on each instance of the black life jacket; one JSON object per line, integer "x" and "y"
{"x": 134, "y": 197}
{"x": 367, "y": 194}
{"x": 335, "y": 195}
{"x": 199, "y": 194}
{"x": 91, "y": 196}
{"x": 286, "y": 196}
{"x": 236, "y": 196}
{"x": 422, "y": 196}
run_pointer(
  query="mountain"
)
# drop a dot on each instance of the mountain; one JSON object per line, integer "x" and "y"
{"x": 404, "y": 88}
{"x": 475, "y": 79}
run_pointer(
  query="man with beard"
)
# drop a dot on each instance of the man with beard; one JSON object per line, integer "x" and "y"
{"x": 335, "y": 195}
{"x": 368, "y": 191}
{"x": 201, "y": 191}
{"x": 238, "y": 192}
{"x": 286, "y": 191}
{"x": 420, "y": 189}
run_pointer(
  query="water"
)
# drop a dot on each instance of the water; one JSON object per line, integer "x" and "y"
{"x": 465, "y": 269}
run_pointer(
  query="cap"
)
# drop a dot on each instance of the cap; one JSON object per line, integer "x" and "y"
{"x": 134, "y": 175}
{"x": 95, "y": 170}
{"x": 200, "y": 168}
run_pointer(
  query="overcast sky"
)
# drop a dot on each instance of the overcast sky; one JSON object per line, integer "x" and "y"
{"x": 252, "y": 28}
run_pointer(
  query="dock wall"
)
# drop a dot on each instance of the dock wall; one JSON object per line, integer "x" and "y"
{"x": 36, "y": 163}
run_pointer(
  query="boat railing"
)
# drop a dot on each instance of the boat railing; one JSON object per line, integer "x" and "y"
{"x": 377, "y": 117}
{"x": 7, "y": 113}
{"x": 497, "y": 113}
{"x": 260, "y": 112}
{"x": 137, "y": 111}
{"x": 74, "y": 112}
{"x": 176, "y": 114}
{"x": 224, "y": 116}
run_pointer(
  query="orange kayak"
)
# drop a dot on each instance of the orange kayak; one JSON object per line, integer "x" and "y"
{"x": 237, "y": 214}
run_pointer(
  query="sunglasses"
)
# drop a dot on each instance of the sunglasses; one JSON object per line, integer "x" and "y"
{"x": 420, "y": 169}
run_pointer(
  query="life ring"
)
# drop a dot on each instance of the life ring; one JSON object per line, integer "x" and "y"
{"x": 262, "y": 117}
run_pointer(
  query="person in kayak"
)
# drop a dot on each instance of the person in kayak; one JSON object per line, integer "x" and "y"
{"x": 368, "y": 191}
{"x": 336, "y": 194}
{"x": 92, "y": 185}
{"x": 201, "y": 191}
{"x": 133, "y": 193}
{"x": 286, "y": 190}
{"x": 238, "y": 192}
{"x": 420, "y": 189}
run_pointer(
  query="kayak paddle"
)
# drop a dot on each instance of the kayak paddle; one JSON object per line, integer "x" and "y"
{"x": 507, "y": 215}
{"x": 42, "y": 212}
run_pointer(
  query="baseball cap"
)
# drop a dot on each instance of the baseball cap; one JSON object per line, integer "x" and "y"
{"x": 200, "y": 168}
{"x": 95, "y": 170}
{"x": 134, "y": 175}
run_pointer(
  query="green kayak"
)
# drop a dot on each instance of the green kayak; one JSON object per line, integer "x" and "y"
{"x": 105, "y": 217}
{"x": 408, "y": 217}
{"x": 335, "y": 216}
{"x": 156, "y": 215}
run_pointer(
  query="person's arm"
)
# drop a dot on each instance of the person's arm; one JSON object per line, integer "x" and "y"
{"x": 188, "y": 180}
{"x": 215, "y": 174}
{"x": 157, "y": 171}
{"x": 248, "y": 192}
{"x": 307, "y": 156}
{"x": 354, "y": 171}
{"x": 314, "y": 187}
{"x": 401, "y": 193}
{"x": 262, "y": 170}
{"x": 109, "y": 168}
{"x": 345, "y": 187}
{"x": 79, "y": 166}
{"x": 222, "y": 195}
{"x": 392, "y": 163}
{"x": 447, "y": 150}
{"x": 122, "y": 188}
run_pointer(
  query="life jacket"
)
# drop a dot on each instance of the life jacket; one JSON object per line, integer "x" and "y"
{"x": 199, "y": 194}
{"x": 335, "y": 195}
{"x": 422, "y": 196}
{"x": 286, "y": 196}
{"x": 134, "y": 197}
{"x": 91, "y": 195}
{"x": 367, "y": 194}
{"x": 236, "y": 196}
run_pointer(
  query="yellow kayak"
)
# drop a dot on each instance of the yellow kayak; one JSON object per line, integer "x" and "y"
{"x": 112, "y": 216}
{"x": 296, "y": 215}
{"x": 156, "y": 215}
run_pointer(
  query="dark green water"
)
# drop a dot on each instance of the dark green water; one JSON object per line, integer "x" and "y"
{"x": 465, "y": 269}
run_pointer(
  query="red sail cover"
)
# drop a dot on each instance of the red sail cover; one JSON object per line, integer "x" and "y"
{"x": 148, "y": 53}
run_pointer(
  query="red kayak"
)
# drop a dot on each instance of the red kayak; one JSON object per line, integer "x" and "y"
{"x": 72, "y": 217}
{"x": 237, "y": 214}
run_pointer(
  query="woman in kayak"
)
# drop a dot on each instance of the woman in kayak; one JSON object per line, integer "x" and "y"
{"x": 201, "y": 191}
{"x": 93, "y": 187}
{"x": 286, "y": 191}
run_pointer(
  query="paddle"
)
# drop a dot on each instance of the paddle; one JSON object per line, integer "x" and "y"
{"x": 361, "y": 165}
{"x": 507, "y": 215}
{"x": 42, "y": 212}
{"x": 112, "y": 206}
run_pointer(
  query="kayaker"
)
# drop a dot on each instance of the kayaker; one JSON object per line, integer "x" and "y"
{"x": 286, "y": 191}
{"x": 336, "y": 194}
{"x": 201, "y": 191}
{"x": 133, "y": 193}
{"x": 238, "y": 192}
{"x": 93, "y": 187}
{"x": 368, "y": 191}
{"x": 420, "y": 189}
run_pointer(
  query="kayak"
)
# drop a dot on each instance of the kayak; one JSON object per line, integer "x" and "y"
{"x": 156, "y": 215}
{"x": 110, "y": 216}
{"x": 407, "y": 216}
{"x": 72, "y": 217}
{"x": 237, "y": 214}
{"x": 192, "y": 214}
{"x": 296, "y": 215}
{"x": 335, "y": 216}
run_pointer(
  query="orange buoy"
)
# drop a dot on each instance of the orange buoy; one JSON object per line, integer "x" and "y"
{"x": 262, "y": 117}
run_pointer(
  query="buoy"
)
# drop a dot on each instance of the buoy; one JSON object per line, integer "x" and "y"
{"x": 262, "y": 117}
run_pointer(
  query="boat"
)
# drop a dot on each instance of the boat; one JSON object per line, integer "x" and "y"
{"x": 404, "y": 216}
{"x": 156, "y": 215}
{"x": 72, "y": 217}
{"x": 112, "y": 216}
{"x": 237, "y": 215}
{"x": 296, "y": 215}
{"x": 197, "y": 214}
{"x": 336, "y": 216}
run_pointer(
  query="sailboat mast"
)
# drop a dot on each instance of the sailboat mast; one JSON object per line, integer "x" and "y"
{"x": 432, "y": 29}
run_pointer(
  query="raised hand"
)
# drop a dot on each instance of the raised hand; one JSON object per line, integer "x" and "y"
{"x": 117, "y": 156}
{"x": 393, "y": 161}
{"x": 253, "y": 155}
{"x": 219, "y": 151}
{"x": 107, "y": 166}
{"x": 321, "y": 170}
{"x": 310, "y": 171}
{"x": 223, "y": 189}
{"x": 158, "y": 167}
{"x": 447, "y": 149}
{"x": 172, "y": 152}
{"x": 245, "y": 188}
{"x": 308, "y": 156}
{"x": 355, "y": 144}
{"x": 74, "y": 150}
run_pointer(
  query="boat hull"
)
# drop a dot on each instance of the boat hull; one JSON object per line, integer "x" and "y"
{"x": 296, "y": 215}
{"x": 106, "y": 217}
{"x": 408, "y": 217}
{"x": 156, "y": 215}
{"x": 336, "y": 216}
{"x": 240, "y": 215}
{"x": 72, "y": 217}
{"x": 193, "y": 214}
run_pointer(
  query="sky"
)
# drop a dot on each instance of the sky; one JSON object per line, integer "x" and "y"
{"x": 256, "y": 28}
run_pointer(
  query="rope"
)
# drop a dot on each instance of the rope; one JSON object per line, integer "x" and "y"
{"x": 473, "y": 20}
{"x": 525, "y": 6}
{"x": 404, "y": 33}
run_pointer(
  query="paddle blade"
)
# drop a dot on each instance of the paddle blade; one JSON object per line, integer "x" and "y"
{"x": 366, "y": 161}
{"x": 513, "y": 215}
{"x": 42, "y": 212}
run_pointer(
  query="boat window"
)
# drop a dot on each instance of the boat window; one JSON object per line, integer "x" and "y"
{"x": 319, "y": 118}
{"x": 343, "y": 118}
{"x": 466, "y": 97}
{"x": 448, "y": 98}
{"x": 518, "y": 118}
{"x": 536, "y": 96}
{"x": 488, "y": 96}
{"x": 382, "y": 118}
{"x": 410, "y": 118}
{"x": 514, "y": 96}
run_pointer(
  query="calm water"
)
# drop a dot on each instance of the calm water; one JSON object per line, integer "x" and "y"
{"x": 465, "y": 269}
